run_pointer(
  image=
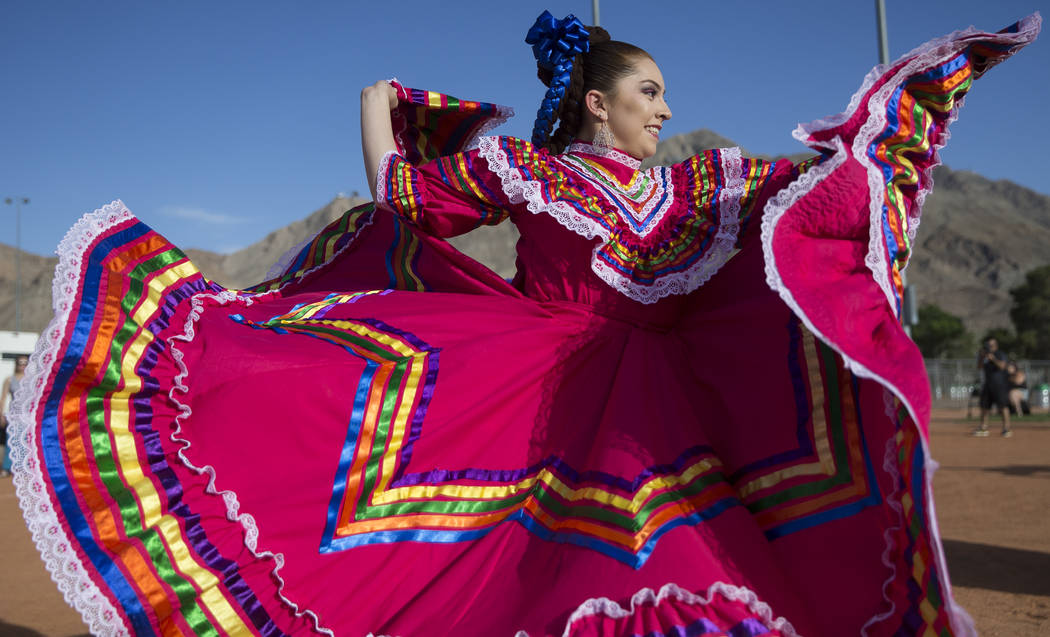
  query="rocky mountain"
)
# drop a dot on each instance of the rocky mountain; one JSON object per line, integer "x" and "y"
{"x": 37, "y": 272}
{"x": 977, "y": 239}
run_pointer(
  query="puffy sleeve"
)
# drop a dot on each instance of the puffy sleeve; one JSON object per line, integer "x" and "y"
{"x": 837, "y": 238}
{"x": 446, "y": 197}
{"x": 436, "y": 179}
{"x": 727, "y": 192}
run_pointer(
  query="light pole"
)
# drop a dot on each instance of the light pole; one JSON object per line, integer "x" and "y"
{"x": 884, "y": 45}
{"x": 594, "y": 12}
{"x": 18, "y": 201}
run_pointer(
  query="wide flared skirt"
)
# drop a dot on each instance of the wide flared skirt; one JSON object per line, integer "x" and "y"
{"x": 387, "y": 438}
{"x": 442, "y": 455}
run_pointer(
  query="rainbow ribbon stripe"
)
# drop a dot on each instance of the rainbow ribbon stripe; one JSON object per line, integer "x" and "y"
{"x": 830, "y": 474}
{"x": 101, "y": 416}
{"x": 683, "y": 242}
{"x": 645, "y": 194}
{"x": 428, "y": 125}
{"x": 918, "y": 112}
{"x": 323, "y": 247}
{"x": 376, "y": 500}
{"x": 402, "y": 259}
{"x": 918, "y": 592}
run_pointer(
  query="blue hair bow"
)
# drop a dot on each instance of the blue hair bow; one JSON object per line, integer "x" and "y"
{"x": 555, "y": 43}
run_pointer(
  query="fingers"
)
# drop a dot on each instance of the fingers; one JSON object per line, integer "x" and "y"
{"x": 381, "y": 91}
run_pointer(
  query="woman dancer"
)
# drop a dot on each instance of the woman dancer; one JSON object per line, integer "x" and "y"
{"x": 575, "y": 453}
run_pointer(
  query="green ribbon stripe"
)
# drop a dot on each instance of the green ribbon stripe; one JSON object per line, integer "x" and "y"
{"x": 839, "y": 449}
{"x": 105, "y": 390}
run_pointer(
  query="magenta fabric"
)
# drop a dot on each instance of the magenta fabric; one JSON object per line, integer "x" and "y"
{"x": 693, "y": 411}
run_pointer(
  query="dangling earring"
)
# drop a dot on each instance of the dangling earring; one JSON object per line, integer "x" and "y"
{"x": 603, "y": 139}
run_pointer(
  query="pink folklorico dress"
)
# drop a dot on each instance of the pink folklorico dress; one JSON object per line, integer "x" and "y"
{"x": 692, "y": 412}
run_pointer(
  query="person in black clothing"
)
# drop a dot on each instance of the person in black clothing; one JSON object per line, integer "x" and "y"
{"x": 992, "y": 361}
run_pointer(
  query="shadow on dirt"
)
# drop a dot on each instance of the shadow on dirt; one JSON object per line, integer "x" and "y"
{"x": 1021, "y": 470}
{"x": 10, "y": 630}
{"x": 998, "y": 568}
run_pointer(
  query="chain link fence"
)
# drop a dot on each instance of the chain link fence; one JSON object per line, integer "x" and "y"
{"x": 955, "y": 382}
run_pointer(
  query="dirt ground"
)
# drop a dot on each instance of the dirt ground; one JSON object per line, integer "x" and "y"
{"x": 992, "y": 497}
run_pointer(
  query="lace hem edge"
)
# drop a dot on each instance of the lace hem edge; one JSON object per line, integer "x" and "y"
{"x": 49, "y": 536}
{"x": 55, "y": 547}
{"x": 916, "y": 59}
{"x": 875, "y": 259}
{"x": 647, "y": 596}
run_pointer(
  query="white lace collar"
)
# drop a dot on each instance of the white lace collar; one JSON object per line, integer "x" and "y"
{"x": 620, "y": 157}
{"x": 524, "y": 187}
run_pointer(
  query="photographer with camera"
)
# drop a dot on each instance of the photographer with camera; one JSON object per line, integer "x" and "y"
{"x": 996, "y": 389}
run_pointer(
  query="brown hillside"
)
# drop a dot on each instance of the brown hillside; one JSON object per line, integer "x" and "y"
{"x": 37, "y": 272}
{"x": 250, "y": 265}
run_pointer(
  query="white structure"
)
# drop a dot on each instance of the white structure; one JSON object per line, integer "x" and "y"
{"x": 14, "y": 344}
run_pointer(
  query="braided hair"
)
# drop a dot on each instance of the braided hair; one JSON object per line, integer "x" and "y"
{"x": 598, "y": 69}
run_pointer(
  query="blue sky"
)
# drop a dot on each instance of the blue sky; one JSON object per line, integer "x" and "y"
{"x": 218, "y": 122}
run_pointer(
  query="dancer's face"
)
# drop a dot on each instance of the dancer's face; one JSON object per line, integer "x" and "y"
{"x": 637, "y": 109}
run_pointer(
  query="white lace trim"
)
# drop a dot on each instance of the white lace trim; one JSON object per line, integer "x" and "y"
{"x": 606, "y": 153}
{"x": 774, "y": 210}
{"x": 229, "y": 498}
{"x": 702, "y": 271}
{"x": 923, "y": 55}
{"x": 875, "y": 259}
{"x": 519, "y": 190}
{"x": 398, "y": 142}
{"x": 55, "y": 547}
{"x": 658, "y": 180}
{"x": 1028, "y": 28}
{"x": 382, "y": 174}
{"x": 504, "y": 113}
{"x": 889, "y": 464}
{"x": 646, "y": 596}
{"x": 960, "y": 620}
{"x": 522, "y": 191}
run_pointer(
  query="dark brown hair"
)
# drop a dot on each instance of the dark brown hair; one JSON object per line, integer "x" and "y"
{"x": 597, "y": 70}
